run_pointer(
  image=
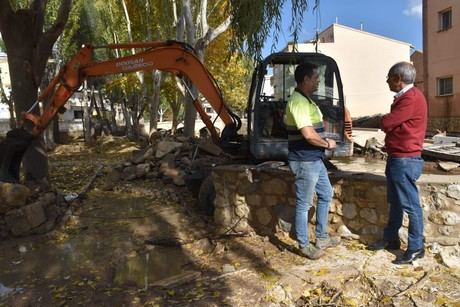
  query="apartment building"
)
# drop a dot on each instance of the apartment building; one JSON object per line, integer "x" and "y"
{"x": 364, "y": 59}
{"x": 441, "y": 44}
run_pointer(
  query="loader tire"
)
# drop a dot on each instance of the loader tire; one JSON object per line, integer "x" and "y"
{"x": 206, "y": 196}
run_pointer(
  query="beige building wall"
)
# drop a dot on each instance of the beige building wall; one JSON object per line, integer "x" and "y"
{"x": 442, "y": 59}
{"x": 364, "y": 60}
{"x": 417, "y": 59}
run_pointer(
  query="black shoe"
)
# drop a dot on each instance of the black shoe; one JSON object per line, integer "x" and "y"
{"x": 384, "y": 244}
{"x": 410, "y": 256}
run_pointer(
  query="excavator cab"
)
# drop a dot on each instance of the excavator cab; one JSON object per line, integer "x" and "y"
{"x": 272, "y": 84}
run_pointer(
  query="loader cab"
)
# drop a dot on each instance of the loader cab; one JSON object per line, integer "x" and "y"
{"x": 272, "y": 84}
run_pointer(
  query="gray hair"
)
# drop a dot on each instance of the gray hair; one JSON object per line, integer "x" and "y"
{"x": 404, "y": 70}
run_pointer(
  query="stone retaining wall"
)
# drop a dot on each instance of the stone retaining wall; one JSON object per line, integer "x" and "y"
{"x": 264, "y": 200}
{"x": 23, "y": 214}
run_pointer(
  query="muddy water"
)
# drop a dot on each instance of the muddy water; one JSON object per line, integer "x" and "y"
{"x": 104, "y": 242}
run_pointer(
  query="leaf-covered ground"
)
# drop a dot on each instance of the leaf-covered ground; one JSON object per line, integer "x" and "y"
{"x": 104, "y": 255}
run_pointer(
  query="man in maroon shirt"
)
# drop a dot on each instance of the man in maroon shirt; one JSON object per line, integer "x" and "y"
{"x": 405, "y": 128}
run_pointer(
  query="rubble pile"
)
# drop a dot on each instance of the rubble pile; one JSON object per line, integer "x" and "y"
{"x": 23, "y": 212}
{"x": 169, "y": 158}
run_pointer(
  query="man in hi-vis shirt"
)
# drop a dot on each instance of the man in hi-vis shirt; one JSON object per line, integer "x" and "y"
{"x": 304, "y": 123}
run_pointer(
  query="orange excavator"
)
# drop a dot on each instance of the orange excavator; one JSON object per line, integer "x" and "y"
{"x": 169, "y": 56}
{"x": 271, "y": 85}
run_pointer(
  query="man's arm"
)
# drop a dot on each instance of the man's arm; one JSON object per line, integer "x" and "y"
{"x": 402, "y": 112}
{"x": 312, "y": 137}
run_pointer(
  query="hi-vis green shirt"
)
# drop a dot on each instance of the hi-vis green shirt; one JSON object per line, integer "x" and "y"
{"x": 301, "y": 112}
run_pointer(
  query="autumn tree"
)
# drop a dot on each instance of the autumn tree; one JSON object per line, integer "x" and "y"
{"x": 29, "y": 43}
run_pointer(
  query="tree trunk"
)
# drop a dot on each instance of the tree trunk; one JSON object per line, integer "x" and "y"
{"x": 107, "y": 128}
{"x": 127, "y": 118}
{"x": 155, "y": 104}
{"x": 86, "y": 117}
{"x": 113, "y": 118}
{"x": 29, "y": 45}
{"x": 200, "y": 43}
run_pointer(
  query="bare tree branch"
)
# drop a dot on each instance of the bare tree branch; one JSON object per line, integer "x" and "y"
{"x": 190, "y": 26}
{"x": 38, "y": 12}
{"x": 47, "y": 40}
{"x": 204, "y": 17}
{"x": 211, "y": 34}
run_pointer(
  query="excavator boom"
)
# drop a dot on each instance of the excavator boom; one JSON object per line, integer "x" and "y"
{"x": 169, "y": 56}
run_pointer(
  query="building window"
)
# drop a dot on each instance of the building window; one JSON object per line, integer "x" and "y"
{"x": 445, "y": 86}
{"x": 445, "y": 20}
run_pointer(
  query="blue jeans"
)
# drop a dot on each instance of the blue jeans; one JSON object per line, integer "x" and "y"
{"x": 402, "y": 196}
{"x": 311, "y": 177}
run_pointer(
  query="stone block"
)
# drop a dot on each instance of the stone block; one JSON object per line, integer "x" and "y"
{"x": 349, "y": 210}
{"x": 448, "y": 231}
{"x": 369, "y": 215}
{"x": 453, "y": 191}
{"x": 372, "y": 230}
{"x": 142, "y": 169}
{"x": 448, "y": 218}
{"x": 271, "y": 201}
{"x": 263, "y": 216}
{"x": 13, "y": 196}
{"x": 337, "y": 190}
{"x": 17, "y": 222}
{"x": 336, "y": 219}
{"x": 443, "y": 240}
{"x": 354, "y": 225}
{"x": 375, "y": 192}
{"x": 35, "y": 214}
{"x": 223, "y": 216}
{"x": 165, "y": 147}
{"x": 405, "y": 222}
{"x": 274, "y": 186}
{"x": 242, "y": 226}
{"x": 242, "y": 210}
{"x": 239, "y": 200}
{"x": 254, "y": 200}
{"x": 129, "y": 173}
{"x": 221, "y": 201}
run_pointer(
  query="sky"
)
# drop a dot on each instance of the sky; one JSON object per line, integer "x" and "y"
{"x": 396, "y": 19}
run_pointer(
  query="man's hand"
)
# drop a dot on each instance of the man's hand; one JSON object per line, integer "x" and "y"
{"x": 332, "y": 144}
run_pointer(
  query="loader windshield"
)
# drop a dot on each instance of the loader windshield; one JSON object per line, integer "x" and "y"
{"x": 272, "y": 84}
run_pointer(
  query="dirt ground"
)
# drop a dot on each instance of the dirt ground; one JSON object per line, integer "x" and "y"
{"x": 142, "y": 243}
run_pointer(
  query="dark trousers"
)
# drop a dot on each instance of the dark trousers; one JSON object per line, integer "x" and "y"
{"x": 402, "y": 196}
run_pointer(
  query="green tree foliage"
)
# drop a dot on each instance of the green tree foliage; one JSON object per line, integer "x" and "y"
{"x": 232, "y": 72}
{"x": 255, "y": 20}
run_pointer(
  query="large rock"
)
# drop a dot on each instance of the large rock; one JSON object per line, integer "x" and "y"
{"x": 451, "y": 256}
{"x": 165, "y": 148}
{"x": 12, "y": 196}
{"x": 369, "y": 215}
{"x": 140, "y": 156}
{"x": 129, "y": 173}
{"x": 17, "y": 222}
{"x": 349, "y": 210}
{"x": 35, "y": 214}
{"x": 445, "y": 218}
{"x": 454, "y": 191}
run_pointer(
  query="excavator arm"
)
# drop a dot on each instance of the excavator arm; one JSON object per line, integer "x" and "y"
{"x": 169, "y": 56}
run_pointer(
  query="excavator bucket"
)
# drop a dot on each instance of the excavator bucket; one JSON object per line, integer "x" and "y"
{"x": 12, "y": 150}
